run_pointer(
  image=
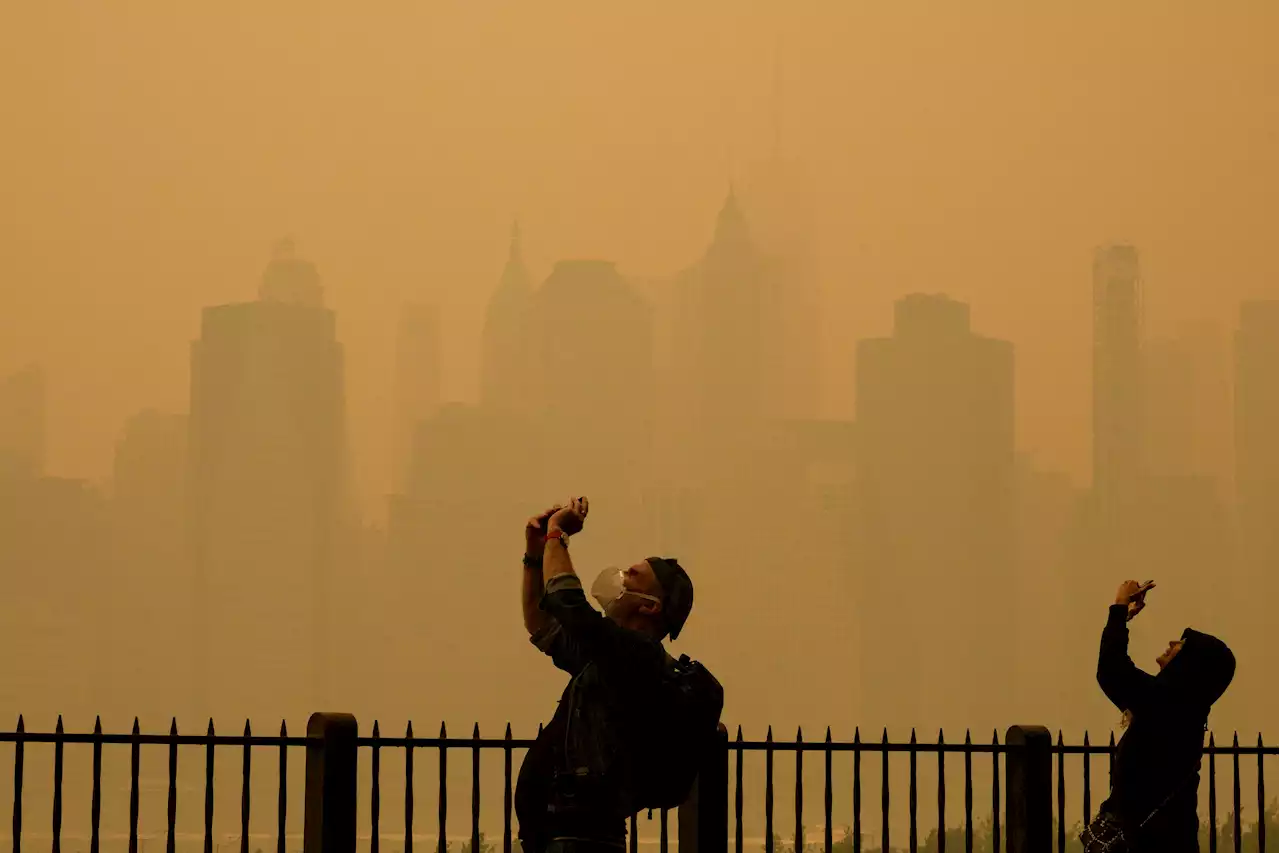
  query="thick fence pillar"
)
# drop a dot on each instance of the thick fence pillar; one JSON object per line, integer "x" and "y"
{"x": 1028, "y": 773}
{"x": 704, "y": 816}
{"x": 329, "y": 810}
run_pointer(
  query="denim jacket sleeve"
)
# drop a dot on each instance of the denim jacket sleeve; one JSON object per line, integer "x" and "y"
{"x": 580, "y": 634}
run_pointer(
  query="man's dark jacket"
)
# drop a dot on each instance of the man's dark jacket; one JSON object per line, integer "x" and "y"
{"x": 1158, "y": 757}
{"x": 600, "y": 724}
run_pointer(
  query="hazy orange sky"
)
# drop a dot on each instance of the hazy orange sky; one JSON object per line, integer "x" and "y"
{"x": 155, "y": 150}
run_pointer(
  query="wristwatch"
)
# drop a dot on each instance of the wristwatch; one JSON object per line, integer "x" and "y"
{"x": 561, "y": 536}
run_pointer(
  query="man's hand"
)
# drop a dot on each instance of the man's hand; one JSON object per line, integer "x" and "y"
{"x": 569, "y": 519}
{"x": 535, "y": 532}
{"x": 1133, "y": 595}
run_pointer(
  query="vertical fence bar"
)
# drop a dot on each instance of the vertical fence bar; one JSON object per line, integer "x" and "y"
{"x": 247, "y": 758}
{"x": 18, "y": 757}
{"x": 442, "y": 800}
{"x": 506, "y": 791}
{"x": 134, "y": 761}
{"x": 912, "y": 795}
{"x": 737, "y": 794}
{"x": 857, "y": 792}
{"x": 475, "y": 789}
{"x": 942, "y": 794}
{"x": 57, "y": 786}
{"x": 375, "y": 788}
{"x": 799, "y": 844}
{"x": 884, "y": 792}
{"x": 768, "y": 791}
{"x": 1262, "y": 801}
{"x": 1088, "y": 800}
{"x": 826, "y": 797}
{"x": 282, "y": 803}
{"x": 208, "y": 789}
{"x": 408, "y": 787}
{"x": 1235, "y": 791}
{"x": 995, "y": 792}
{"x": 634, "y": 838}
{"x": 171, "y": 812}
{"x": 663, "y": 841}
{"x": 968, "y": 792}
{"x": 1062, "y": 793}
{"x": 1213, "y": 798}
{"x": 95, "y": 806}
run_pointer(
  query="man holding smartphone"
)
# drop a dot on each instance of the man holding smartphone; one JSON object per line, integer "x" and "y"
{"x": 626, "y": 732}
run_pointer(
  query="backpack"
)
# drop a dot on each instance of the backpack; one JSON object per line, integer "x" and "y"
{"x": 688, "y": 709}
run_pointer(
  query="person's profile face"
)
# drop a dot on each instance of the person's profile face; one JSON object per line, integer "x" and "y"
{"x": 1169, "y": 654}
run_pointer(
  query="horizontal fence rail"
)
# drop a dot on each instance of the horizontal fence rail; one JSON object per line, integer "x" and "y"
{"x": 861, "y": 757}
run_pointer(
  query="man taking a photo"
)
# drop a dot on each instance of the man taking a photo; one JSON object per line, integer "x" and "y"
{"x": 632, "y": 723}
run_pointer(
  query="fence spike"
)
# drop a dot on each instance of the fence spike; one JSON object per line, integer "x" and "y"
{"x": 739, "y": 737}
{"x": 507, "y": 735}
{"x": 828, "y": 734}
{"x": 136, "y": 729}
{"x": 799, "y": 736}
{"x": 1059, "y": 738}
{"x": 58, "y": 730}
{"x": 1112, "y": 742}
{"x": 408, "y": 730}
{"x": 97, "y": 725}
{"x": 539, "y": 729}
{"x": 857, "y": 735}
{"x": 442, "y": 732}
{"x": 995, "y": 736}
{"x": 913, "y": 735}
{"x": 284, "y": 732}
{"x": 941, "y": 741}
{"x": 475, "y": 735}
{"x": 21, "y": 726}
{"x": 884, "y": 737}
{"x": 967, "y": 739}
{"x": 173, "y": 726}
{"x": 211, "y": 726}
{"x": 1086, "y": 743}
{"x": 246, "y": 728}
{"x": 1210, "y": 739}
{"x": 1235, "y": 740}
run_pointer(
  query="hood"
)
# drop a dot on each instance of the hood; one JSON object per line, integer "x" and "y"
{"x": 1202, "y": 670}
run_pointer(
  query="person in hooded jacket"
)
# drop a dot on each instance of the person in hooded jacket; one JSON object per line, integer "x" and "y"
{"x": 1156, "y": 775}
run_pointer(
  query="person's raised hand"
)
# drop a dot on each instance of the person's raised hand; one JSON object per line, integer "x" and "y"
{"x": 570, "y": 517}
{"x": 535, "y": 531}
{"x": 1133, "y": 595}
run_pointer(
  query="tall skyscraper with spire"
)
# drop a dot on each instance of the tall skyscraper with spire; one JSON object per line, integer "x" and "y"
{"x": 505, "y": 383}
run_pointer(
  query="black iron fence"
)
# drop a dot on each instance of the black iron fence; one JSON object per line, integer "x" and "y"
{"x": 1022, "y": 765}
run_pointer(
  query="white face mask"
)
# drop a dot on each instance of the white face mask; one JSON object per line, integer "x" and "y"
{"x": 610, "y": 586}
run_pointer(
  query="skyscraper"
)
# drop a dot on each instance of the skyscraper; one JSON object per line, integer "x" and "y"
{"x": 1118, "y": 400}
{"x": 267, "y": 491}
{"x": 1255, "y": 434}
{"x": 505, "y": 381}
{"x": 935, "y": 477}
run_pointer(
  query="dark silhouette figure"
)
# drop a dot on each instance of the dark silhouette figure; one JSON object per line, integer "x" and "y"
{"x": 616, "y": 742}
{"x": 1156, "y": 775}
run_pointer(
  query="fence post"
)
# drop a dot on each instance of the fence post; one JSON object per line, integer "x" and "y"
{"x": 1028, "y": 766}
{"x": 329, "y": 809}
{"x": 704, "y": 816}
